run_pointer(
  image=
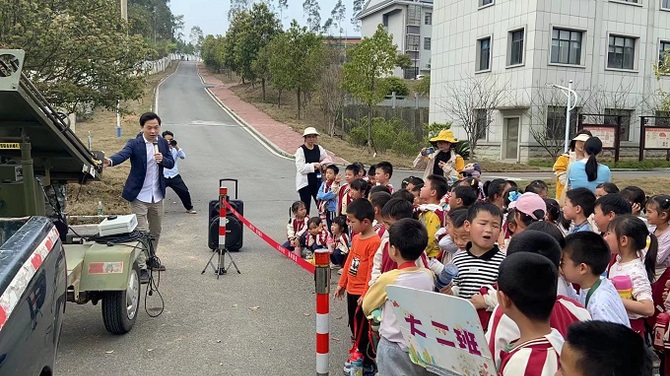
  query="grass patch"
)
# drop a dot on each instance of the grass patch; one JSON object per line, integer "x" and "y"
{"x": 83, "y": 199}
{"x": 312, "y": 117}
{"x": 647, "y": 164}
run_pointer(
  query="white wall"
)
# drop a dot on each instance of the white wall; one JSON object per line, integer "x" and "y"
{"x": 458, "y": 24}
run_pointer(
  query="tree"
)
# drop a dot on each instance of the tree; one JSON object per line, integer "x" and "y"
{"x": 196, "y": 37}
{"x": 543, "y": 105}
{"x": 357, "y": 8}
{"x": 282, "y": 5}
{"x": 337, "y": 15}
{"x": 331, "y": 95}
{"x": 296, "y": 62}
{"x": 249, "y": 33}
{"x": 423, "y": 86}
{"x": 237, "y": 6}
{"x": 261, "y": 67}
{"x": 312, "y": 11}
{"x": 369, "y": 63}
{"x": 213, "y": 52}
{"x": 468, "y": 99}
{"x": 77, "y": 51}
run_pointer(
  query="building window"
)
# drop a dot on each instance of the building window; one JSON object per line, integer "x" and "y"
{"x": 413, "y": 42}
{"x": 613, "y": 115}
{"x": 413, "y": 30}
{"x": 428, "y": 19}
{"x": 556, "y": 122}
{"x": 411, "y": 73}
{"x": 665, "y": 4}
{"x": 482, "y": 123}
{"x": 566, "y": 46}
{"x": 484, "y": 54}
{"x": 426, "y": 43}
{"x": 516, "y": 47}
{"x": 663, "y": 52}
{"x": 621, "y": 53}
{"x": 485, "y": 2}
{"x": 414, "y": 15}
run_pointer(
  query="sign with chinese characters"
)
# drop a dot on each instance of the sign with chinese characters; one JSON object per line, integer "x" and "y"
{"x": 605, "y": 134}
{"x": 657, "y": 138}
{"x": 443, "y": 332}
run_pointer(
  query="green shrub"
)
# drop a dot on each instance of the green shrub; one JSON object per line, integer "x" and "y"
{"x": 432, "y": 130}
{"x": 386, "y": 135}
{"x": 463, "y": 149}
{"x": 405, "y": 143}
{"x": 397, "y": 85}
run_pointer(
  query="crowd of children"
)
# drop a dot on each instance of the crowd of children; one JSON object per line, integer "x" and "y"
{"x": 547, "y": 278}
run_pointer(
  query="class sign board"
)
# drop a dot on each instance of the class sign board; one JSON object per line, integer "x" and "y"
{"x": 442, "y": 332}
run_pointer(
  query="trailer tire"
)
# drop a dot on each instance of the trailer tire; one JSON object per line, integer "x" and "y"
{"x": 120, "y": 308}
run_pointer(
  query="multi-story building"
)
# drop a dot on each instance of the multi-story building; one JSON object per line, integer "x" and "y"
{"x": 410, "y": 24}
{"x": 513, "y": 50}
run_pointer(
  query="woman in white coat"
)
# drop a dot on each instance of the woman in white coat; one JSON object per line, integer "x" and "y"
{"x": 310, "y": 160}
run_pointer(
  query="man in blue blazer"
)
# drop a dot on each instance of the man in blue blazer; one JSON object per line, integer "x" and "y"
{"x": 145, "y": 187}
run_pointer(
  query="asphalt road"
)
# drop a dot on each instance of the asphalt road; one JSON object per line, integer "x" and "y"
{"x": 260, "y": 322}
{"x": 209, "y": 326}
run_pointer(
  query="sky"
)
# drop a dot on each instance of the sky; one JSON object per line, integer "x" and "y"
{"x": 212, "y": 15}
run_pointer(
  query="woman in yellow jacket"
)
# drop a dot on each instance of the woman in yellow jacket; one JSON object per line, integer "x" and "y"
{"x": 563, "y": 162}
{"x": 442, "y": 160}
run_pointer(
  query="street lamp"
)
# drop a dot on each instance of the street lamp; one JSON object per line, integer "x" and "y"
{"x": 571, "y": 106}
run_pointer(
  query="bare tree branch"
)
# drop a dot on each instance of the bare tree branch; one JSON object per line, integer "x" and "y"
{"x": 469, "y": 95}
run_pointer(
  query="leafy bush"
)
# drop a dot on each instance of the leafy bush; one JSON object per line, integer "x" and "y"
{"x": 432, "y": 130}
{"x": 405, "y": 143}
{"x": 397, "y": 85}
{"x": 386, "y": 135}
{"x": 463, "y": 149}
{"x": 423, "y": 86}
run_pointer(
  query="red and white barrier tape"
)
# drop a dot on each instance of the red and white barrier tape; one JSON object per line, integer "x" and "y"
{"x": 273, "y": 243}
{"x": 10, "y": 298}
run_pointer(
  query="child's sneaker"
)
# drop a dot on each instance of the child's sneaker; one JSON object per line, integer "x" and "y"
{"x": 347, "y": 368}
{"x": 369, "y": 370}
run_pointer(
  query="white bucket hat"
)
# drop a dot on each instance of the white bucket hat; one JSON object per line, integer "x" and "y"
{"x": 309, "y": 131}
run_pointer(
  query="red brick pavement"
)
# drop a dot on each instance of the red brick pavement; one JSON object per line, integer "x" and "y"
{"x": 282, "y": 138}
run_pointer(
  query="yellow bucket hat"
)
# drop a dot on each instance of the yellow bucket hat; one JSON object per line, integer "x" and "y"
{"x": 444, "y": 135}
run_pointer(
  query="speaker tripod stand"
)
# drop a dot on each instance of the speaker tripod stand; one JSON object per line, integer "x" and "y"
{"x": 221, "y": 267}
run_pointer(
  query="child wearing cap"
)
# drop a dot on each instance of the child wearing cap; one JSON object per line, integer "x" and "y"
{"x": 529, "y": 208}
{"x": 443, "y": 160}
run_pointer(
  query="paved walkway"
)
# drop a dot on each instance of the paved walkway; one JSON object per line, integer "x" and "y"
{"x": 279, "y": 136}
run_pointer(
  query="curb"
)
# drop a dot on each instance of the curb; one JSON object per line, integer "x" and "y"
{"x": 271, "y": 145}
{"x": 259, "y": 136}
{"x": 158, "y": 86}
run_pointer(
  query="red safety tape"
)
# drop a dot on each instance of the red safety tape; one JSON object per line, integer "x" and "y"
{"x": 273, "y": 243}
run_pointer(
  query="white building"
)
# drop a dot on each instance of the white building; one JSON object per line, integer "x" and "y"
{"x": 410, "y": 24}
{"x": 517, "y": 48}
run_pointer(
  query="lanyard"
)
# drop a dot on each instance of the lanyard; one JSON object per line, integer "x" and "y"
{"x": 591, "y": 290}
{"x": 409, "y": 264}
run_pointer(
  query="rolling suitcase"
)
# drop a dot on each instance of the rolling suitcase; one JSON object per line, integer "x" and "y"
{"x": 234, "y": 227}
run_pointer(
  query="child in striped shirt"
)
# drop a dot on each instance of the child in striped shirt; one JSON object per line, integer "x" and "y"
{"x": 478, "y": 264}
{"x": 527, "y": 293}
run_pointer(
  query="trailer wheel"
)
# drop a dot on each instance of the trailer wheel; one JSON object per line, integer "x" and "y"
{"x": 120, "y": 308}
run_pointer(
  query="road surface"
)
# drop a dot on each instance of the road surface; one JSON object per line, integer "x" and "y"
{"x": 260, "y": 322}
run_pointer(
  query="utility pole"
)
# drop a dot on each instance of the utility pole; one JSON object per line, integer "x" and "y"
{"x": 124, "y": 17}
{"x": 124, "y": 10}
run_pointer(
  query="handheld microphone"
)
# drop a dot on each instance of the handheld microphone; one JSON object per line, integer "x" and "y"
{"x": 156, "y": 151}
